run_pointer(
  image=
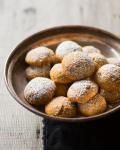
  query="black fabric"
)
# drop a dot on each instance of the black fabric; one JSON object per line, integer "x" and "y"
{"x": 101, "y": 134}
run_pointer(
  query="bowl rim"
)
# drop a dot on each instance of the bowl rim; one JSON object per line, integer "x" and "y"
{"x": 14, "y": 95}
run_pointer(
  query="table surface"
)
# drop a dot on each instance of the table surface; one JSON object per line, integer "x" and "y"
{"x": 19, "y": 128}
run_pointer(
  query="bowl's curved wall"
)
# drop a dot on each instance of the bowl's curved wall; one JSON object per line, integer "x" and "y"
{"x": 15, "y": 66}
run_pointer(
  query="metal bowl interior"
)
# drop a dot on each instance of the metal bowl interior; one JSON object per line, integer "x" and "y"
{"x": 15, "y": 66}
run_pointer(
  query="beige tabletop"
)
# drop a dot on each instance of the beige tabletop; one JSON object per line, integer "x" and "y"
{"x": 19, "y": 128}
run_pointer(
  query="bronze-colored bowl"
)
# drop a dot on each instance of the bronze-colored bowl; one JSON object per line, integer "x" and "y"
{"x": 15, "y": 66}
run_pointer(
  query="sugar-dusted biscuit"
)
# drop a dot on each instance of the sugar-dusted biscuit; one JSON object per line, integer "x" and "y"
{"x": 66, "y": 47}
{"x": 77, "y": 65}
{"x": 82, "y": 91}
{"x": 108, "y": 77}
{"x": 98, "y": 59}
{"x": 58, "y": 76}
{"x": 40, "y": 56}
{"x": 95, "y": 106}
{"x": 111, "y": 97}
{"x": 39, "y": 91}
{"x": 114, "y": 61}
{"x": 90, "y": 49}
{"x": 61, "y": 107}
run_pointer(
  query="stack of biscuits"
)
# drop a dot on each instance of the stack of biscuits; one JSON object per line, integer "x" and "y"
{"x": 72, "y": 80}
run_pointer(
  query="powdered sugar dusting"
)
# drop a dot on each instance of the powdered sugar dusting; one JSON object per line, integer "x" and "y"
{"x": 67, "y": 47}
{"x": 39, "y": 53}
{"x": 108, "y": 77}
{"x": 78, "y": 65}
{"x": 39, "y": 87}
{"x": 82, "y": 87}
{"x": 98, "y": 59}
{"x": 90, "y": 49}
{"x": 110, "y": 70}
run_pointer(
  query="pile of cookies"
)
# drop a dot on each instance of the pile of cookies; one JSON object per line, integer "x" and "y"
{"x": 72, "y": 80}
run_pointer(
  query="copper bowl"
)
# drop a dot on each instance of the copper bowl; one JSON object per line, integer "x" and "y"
{"x": 15, "y": 66}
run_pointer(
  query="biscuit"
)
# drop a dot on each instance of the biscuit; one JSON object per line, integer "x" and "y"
{"x": 98, "y": 59}
{"x": 40, "y": 56}
{"x": 90, "y": 49}
{"x": 82, "y": 91}
{"x": 108, "y": 77}
{"x": 77, "y": 65}
{"x": 61, "y": 107}
{"x": 33, "y": 71}
{"x": 95, "y": 106}
{"x": 61, "y": 89}
{"x": 66, "y": 47}
{"x": 57, "y": 75}
{"x": 39, "y": 91}
{"x": 114, "y": 61}
{"x": 111, "y": 97}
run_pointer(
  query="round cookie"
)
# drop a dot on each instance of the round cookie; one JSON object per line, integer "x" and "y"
{"x": 108, "y": 77}
{"x": 77, "y": 65}
{"x": 40, "y": 56}
{"x": 39, "y": 91}
{"x": 111, "y": 97}
{"x": 90, "y": 49}
{"x": 57, "y": 75}
{"x": 82, "y": 91}
{"x": 61, "y": 89}
{"x": 98, "y": 59}
{"x": 61, "y": 107}
{"x": 66, "y": 47}
{"x": 114, "y": 61}
{"x": 95, "y": 106}
{"x": 33, "y": 71}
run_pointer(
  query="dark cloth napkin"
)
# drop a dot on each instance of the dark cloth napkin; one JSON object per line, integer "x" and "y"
{"x": 101, "y": 134}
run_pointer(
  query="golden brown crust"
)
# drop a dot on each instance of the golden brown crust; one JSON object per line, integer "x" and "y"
{"x": 56, "y": 60}
{"x": 90, "y": 49}
{"x": 61, "y": 107}
{"x": 108, "y": 77}
{"x": 98, "y": 59}
{"x": 61, "y": 89}
{"x": 111, "y": 97}
{"x": 39, "y": 91}
{"x": 66, "y": 47}
{"x": 95, "y": 106}
{"x": 57, "y": 75}
{"x": 33, "y": 71}
{"x": 82, "y": 91}
{"x": 77, "y": 65}
{"x": 40, "y": 56}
